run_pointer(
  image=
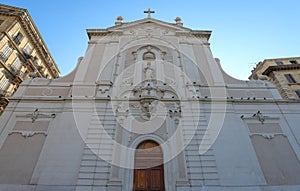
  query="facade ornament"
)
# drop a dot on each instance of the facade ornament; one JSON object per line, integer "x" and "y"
{"x": 258, "y": 115}
{"x": 36, "y": 114}
{"x": 134, "y": 54}
{"x": 147, "y": 109}
{"x": 175, "y": 111}
{"x": 119, "y": 20}
{"x": 122, "y": 109}
{"x": 149, "y": 71}
{"x": 176, "y": 120}
{"x": 103, "y": 90}
{"x": 28, "y": 133}
{"x": 149, "y": 12}
{"x": 163, "y": 54}
{"x": 268, "y": 135}
{"x": 178, "y": 21}
{"x": 121, "y": 120}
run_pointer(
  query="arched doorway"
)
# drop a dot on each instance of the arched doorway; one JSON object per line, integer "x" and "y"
{"x": 148, "y": 167}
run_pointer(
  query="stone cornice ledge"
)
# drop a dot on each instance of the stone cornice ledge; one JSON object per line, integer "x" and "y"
{"x": 281, "y": 67}
{"x": 195, "y": 33}
{"x": 102, "y": 32}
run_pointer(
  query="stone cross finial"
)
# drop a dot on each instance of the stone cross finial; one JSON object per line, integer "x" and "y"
{"x": 149, "y": 12}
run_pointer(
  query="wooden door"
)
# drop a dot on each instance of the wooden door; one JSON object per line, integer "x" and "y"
{"x": 149, "y": 168}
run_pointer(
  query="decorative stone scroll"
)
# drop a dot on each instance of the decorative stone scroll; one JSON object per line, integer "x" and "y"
{"x": 258, "y": 116}
{"x": 36, "y": 114}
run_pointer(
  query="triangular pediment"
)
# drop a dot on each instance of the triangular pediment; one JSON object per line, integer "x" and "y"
{"x": 148, "y": 24}
{"x": 148, "y": 21}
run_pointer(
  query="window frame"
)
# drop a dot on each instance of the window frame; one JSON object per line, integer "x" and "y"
{"x": 18, "y": 38}
{"x": 293, "y": 62}
{"x": 290, "y": 78}
{"x": 298, "y": 93}
{"x": 4, "y": 83}
{"x": 5, "y": 54}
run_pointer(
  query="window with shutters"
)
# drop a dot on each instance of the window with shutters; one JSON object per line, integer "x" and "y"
{"x": 18, "y": 38}
{"x": 4, "y": 55}
{"x": 17, "y": 64}
{"x": 4, "y": 82}
{"x": 28, "y": 48}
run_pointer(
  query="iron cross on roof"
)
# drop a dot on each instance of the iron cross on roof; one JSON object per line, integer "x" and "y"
{"x": 149, "y": 12}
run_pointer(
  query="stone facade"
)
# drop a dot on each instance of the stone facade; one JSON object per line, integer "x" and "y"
{"x": 283, "y": 72}
{"x": 23, "y": 53}
{"x": 149, "y": 80}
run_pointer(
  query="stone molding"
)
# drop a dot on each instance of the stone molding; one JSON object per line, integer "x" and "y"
{"x": 28, "y": 133}
{"x": 267, "y": 135}
{"x": 258, "y": 116}
{"x": 37, "y": 115}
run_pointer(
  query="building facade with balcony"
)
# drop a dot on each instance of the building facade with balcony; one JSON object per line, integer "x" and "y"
{"x": 23, "y": 53}
{"x": 283, "y": 72}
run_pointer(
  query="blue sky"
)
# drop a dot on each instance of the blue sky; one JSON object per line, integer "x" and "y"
{"x": 244, "y": 32}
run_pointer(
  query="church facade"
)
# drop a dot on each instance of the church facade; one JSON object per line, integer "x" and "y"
{"x": 148, "y": 107}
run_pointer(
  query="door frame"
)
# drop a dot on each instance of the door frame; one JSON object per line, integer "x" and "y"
{"x": 169, "y": 167}
{"x": 148, "y": 170}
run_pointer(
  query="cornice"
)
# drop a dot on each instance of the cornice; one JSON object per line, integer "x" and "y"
{"x": 148, "y": 20}
{"x": 11, "y": 11}
{"x": 28, "y": 25}
{"x": 281, "y": 67}
{"x": 265, "y": 61}
{"x": 96, "y": 32}
{"x": 102, "y": 32}
{"x": 201, "y": 34}
{"x": 179, "y": 30}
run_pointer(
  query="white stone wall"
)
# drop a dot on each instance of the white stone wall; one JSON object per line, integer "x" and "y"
{"x": 207, "y": 111}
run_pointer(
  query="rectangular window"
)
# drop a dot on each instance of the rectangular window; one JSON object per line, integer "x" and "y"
{"x": 290, "y": 78}
{"x": 4, "y": 83}
{"x": 293, "y": 62}
{"x": 1, "y": 21}
{"x": 18, "y": 38}
{"x": 298, "y": 93}
{"x": 28, "y": 48}
{"x": 17, "y": 64}
{"x": 6, "y": 53}
{"x": 279, "y": 63}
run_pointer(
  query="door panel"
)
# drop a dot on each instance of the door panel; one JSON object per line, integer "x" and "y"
{"x": 155, "y": 178}
{"x": 149, "y": 168}
{"x": 141, "y": 179}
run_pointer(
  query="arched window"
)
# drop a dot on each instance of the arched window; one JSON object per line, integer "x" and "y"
{"x": 149, "y": 167}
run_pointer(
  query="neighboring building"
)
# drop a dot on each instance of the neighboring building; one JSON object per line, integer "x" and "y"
{"x": 23, "y": 53}
{"x": 283, "y": 72}
{"x": 148, "y": 107}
